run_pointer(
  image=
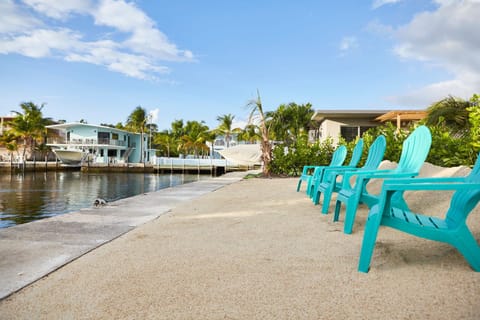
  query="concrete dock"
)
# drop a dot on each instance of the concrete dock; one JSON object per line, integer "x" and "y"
{"x": 30, "y": 251}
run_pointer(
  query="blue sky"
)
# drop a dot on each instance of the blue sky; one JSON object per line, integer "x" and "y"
{"x": 195, "y": 60}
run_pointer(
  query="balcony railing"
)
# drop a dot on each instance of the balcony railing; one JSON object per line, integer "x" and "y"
{"x": 101, "y": 141}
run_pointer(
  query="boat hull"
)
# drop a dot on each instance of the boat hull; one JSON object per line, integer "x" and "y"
{"x": 70, "y": 157}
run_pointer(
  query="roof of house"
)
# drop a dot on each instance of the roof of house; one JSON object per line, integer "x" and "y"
{"x": 65, "y": 126}
{"x": 321, "y": 115}
{"x": 378, "y": 115}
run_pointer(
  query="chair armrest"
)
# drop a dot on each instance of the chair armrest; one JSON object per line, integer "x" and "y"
{"x": 426, "y": 180}
{"x": 439, "y": 185}
{"x": 339, "y": 170}
{"x": 379, "y": 174}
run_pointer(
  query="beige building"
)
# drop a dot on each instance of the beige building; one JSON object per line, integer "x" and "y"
{"x": 350, "y": 124}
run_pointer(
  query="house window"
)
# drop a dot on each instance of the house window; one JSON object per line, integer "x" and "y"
{"x": 103, "y": 137}
{"x": 351, "y": 133}
{"x": 114, "y": 136}
{"x": 364, "y": 129}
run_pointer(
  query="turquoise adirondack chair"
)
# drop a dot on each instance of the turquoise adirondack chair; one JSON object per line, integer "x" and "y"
{"x": 319, "y": 172}
{"x": 337, "y": 159}
{"x": 452, "y": 230}
{"x": 330, "y": 184}
{"x": 414, "y": 152}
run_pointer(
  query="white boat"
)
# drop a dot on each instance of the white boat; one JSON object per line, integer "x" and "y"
{"x": 70, "y": 156}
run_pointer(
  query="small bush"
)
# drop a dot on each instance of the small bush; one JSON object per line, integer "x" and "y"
{"x": 290, "y": 160}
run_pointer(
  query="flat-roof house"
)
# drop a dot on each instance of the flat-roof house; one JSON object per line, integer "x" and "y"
{"x": 350, "y": 124}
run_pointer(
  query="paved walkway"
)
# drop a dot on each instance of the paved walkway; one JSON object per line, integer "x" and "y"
{"x": 30, "y": 251}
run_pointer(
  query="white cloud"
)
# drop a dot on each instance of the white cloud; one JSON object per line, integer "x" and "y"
{"x": 154, "y": 115}
{"x": 135, "y": 48}
{"x": 59, "y": 9}
{"x": 145, "y": 38}
{"x": 378, "y": 3}
{"x": 425, "y": 96}
{"x": 448, "y": 39}
{"x": 40, "y": 43}
{"x": 120, "y": 15}
{"x": 13, "y": 19}
{"x": 240, "y": 124}
{"x": 347, "y": 44}
{"x": 136, "y": 66}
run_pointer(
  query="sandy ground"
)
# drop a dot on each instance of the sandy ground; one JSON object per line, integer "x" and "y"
{"x": 257, "y": 249}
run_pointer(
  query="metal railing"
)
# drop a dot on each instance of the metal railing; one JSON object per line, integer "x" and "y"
{"x": 102, "y": 141}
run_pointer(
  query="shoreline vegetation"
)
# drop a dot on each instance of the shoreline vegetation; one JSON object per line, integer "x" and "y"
{"x": 454, "y": 123}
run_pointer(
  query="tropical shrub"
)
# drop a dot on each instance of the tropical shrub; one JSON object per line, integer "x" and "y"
{"x": 448, "y": 150}
{"x": 290, "y": 160}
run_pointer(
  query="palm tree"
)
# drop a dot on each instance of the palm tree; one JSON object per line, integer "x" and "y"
{"x": 260, "y": 117}
{"x": 28, "y": 125}
{"x": 166, "y": 141}
{"x": 225, "y": 127}
{"x": 136, "y": 122}
{"x": 249, "y": 134}
{"x": 288, "y": 122}
{"x": 195, "y": 137}
{"x": 178, "y": 129}
{"x": 451, "y": 113}
{"x": 302, "y": 119}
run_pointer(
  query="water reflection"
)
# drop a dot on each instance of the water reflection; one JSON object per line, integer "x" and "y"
{"x": 33, "y": 196}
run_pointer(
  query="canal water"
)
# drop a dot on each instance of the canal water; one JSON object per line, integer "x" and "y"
{"x": 37, "y": 195}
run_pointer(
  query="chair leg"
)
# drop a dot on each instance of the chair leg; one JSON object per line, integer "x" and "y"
{"x": 315, "y": 180}
{"x": 338, "y": 206}
{"x": 311, "y": 188}
{"x": 316, "y": 197}
{"x": 350, "y": 213}
{"x": 327, "y": 197}
{"x": 309, "y": 185}
{"x": 369, "y": 240}
{"x": 299, "y": 184}
{"x": 468, "y": 247}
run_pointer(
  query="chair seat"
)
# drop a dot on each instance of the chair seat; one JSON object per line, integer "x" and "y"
{"x": 419, "y": 220}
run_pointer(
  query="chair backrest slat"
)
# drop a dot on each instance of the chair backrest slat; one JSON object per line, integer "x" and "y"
{"x": 375, "y": 153}
{"x": 338, "y": 156}
{"x": 356, "y": 153}
{"x": 415, "y": 150}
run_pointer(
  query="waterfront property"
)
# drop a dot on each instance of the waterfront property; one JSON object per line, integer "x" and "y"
{"x": 74, "y": 143}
